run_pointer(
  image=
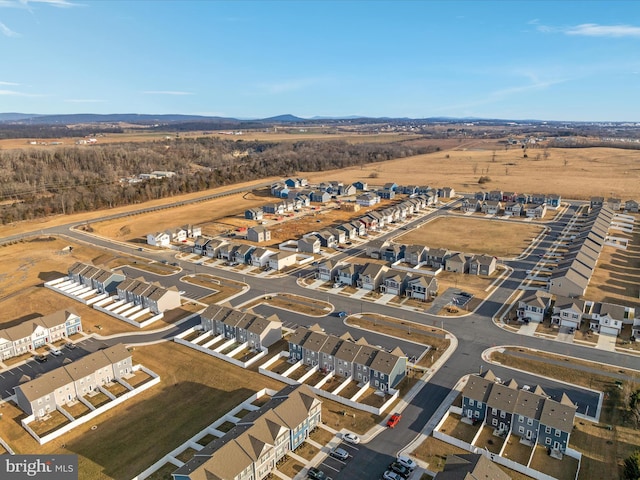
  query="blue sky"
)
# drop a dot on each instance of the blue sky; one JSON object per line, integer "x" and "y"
{"x": 556, "y": 60}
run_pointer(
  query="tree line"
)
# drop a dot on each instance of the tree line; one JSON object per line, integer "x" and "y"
{"x": 39, "y": 182}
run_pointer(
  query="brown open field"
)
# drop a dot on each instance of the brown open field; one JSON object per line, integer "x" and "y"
{"x": 461, "y": 234}
{"x": 582, "y": 177}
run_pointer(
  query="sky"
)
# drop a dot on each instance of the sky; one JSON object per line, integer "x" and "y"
{"x": 548, "y": 60}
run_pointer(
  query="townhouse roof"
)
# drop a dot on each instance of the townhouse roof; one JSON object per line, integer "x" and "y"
{"x": 471, "y": 466}
{"x": 565, "y": 303}
{"x": 438, "y": 252}
{"x": 385, "y": 362}
{"x": 57, "y": 318}
{"x": 314, "y": 341}
{"x": 331, "y": 345}
{"x": 373, "y": 270}
{"x": 536, "y": 298}
{"x": 299, "y": 334}
{"x": 478, "y": 387}
{"x": 559, "y": 415}
{"x": 503, "y": 397}
{"x": 529, "y": 404}
{"x": 422, "y": 280}
{"x": 365, "y": 355}
{"x": 616, "y": 312}
{"x": 348, "y": 351}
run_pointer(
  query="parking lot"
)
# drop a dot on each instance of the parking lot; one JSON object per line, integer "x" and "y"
{"x": 332, "y": 465}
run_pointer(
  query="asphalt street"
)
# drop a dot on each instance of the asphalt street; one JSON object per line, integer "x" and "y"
{"x": 475, "y": 333}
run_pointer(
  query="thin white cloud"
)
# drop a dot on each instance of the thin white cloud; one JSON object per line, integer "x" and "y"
{"x": 15, "y": 93}
{"x": 28, "y": 4}
{"x": 84, "y": 100}
{"x": 595, "y": 30}
{"x": 591, "y": 30}
{"x": 7, "y": 32}
{"x": 166, "y": 92}
{"x": 9, "y": 84}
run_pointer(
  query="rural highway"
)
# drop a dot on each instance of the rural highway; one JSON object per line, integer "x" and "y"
{"x": 475, "y": 333}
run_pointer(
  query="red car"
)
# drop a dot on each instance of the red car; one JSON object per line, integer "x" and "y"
{"x": 393, "y": 421}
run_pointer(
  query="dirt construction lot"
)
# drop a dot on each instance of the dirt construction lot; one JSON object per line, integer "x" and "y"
{"x": 461, "y": 234}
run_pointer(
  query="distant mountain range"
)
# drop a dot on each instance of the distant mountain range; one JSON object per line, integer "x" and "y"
{"x": 150, "y": 120}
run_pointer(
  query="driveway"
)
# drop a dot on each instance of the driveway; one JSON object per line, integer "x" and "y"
{"x": 607, "y": 342}
{"x": 528, "y": 329}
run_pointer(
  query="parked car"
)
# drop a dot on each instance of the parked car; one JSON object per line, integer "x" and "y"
{"x": 407, "y": 462}
{"x": 388, "y": 475}
{"x": 393, "y": 421}
{"x": 342, "y": 314}
{"x": 401, "y": 470}
{"x": 40, "y": 358}
{"x": 56, "y": 352}
{"x": 339, "y": 453}
{"x": 70, "y": 345}
{"x": 317, "y": 474}
{"x": 351, "y": 438}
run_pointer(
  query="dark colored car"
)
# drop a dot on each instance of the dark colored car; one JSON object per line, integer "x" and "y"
{"x": 317, "y": 474}
{"x": 70, "y": 345}
{"x": 40, "y": 358}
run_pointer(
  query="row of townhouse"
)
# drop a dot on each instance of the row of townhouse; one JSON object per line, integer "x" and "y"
{"x": 31, "y": 334}
{"x": 526, "y": 413}
{"x": 180, "y": 234}
{"x": 615, "y": 204}
{"x": 435, "y": 258}
{"x": 376, "y": 277}
{"x": 603, "y": 317}
{"x": 148, "y": 295}
{"x": 244, "y": 254}
{"x": 252, "y": 449}
{"x": 345, "y": 357}
{"x": 551, "y": 201}
{"x": 104, "y": 281}
{"x": 572, "y": 274}
{"x": 66, "y": 384}
{"x": 258, "y": 332}
{"x": 510, "y": 209}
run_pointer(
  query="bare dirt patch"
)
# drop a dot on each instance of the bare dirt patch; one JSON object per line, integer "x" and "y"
{"x": 461, "y": 234}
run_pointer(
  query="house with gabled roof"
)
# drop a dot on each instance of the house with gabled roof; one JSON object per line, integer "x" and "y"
{"x": 554, "y": 201}
{"x": 535, "y": 210}
{"x": 500, "y": 405}
{"x": 349, "y": 230}
{"x": 437, "y": 257}
{"x": 393, "y": 252}
{"x": 415, "y": 254}
{"x": 254, "y": 214}
{"x": 482, "y": 265}
{"x": 470, "y": 466}
{"x": 309, "y": 244}
{"x": 422, "y": 287}
{"x": 494, "y": 196}
{"x": 470, "y": 205}
{"x": 606, "y": 318}
{"x": 348, "y": 274}
{"x": 260, "y": 440}
{"x": 446, "y": 192}
{"x": 327, "y": 239}
{"x": 360, "y": 185}
{"x": 457, "y": 263}
{"x": 257, "y": 331}
{"x": 534, "y": 305}
{"x": 360, "y": 228}
{"x": 614, "y": 203}
{"x": 281, "y": 260}
{"x": 199, "y": 245}
{"x": 159, "y": 239}
{"x": 394, "y": 282}
{"x": 318, "y": 196}
{"x": 242, "y": 254}
{"x": 491, "y": 207}
{"x": 512, "y": 209}
{"x": 556, "y": 423}
{"x": 260, "y": 256}
{"x": 212, "y": 248}
{"x": 339, "y": 235}
{"x": 371, "y": 276}
{"x": 63, "y": 385}
{"x": 475, "y": 395}
{"x": 631, "y": 206}
{"x": 368, "y": 199}
{"x": 596, "y": 202}
{"x": 538, "y": 198}
{"x": 327, "y": 270}
{"x": 258, "y": 234}
{"x": 567, "y": 312}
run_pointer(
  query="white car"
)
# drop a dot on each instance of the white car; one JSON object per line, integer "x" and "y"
{"x": 55, "y": 351}
{"x": 389, "y": 475}
{"x": 407, "y": 462}
{"x": 351, "y": 438}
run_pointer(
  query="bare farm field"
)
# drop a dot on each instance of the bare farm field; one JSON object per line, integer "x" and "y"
{"x": 491, "y": 237}
{"x": 573, "y": 173}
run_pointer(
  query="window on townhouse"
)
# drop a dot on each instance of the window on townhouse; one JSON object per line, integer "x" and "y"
{"x": 520, "y": 418}
{"x": 494, "y": 411}
{"x": 503, "y": 414}
{"x": 547, "y": 441}
{"x": 557, "y": 433}
{"x": 494, "y": 422}
{"x": 547, "y": 429}
{"x": 520, "y": 429}
{"x": 529, "y": 421}
{"x": 472, "y": 402}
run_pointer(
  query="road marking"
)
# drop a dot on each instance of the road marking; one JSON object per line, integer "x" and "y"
{"x": 345, "y": 444}
{"x": 11, "y": 372}
{"x": 329, "y": 466}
